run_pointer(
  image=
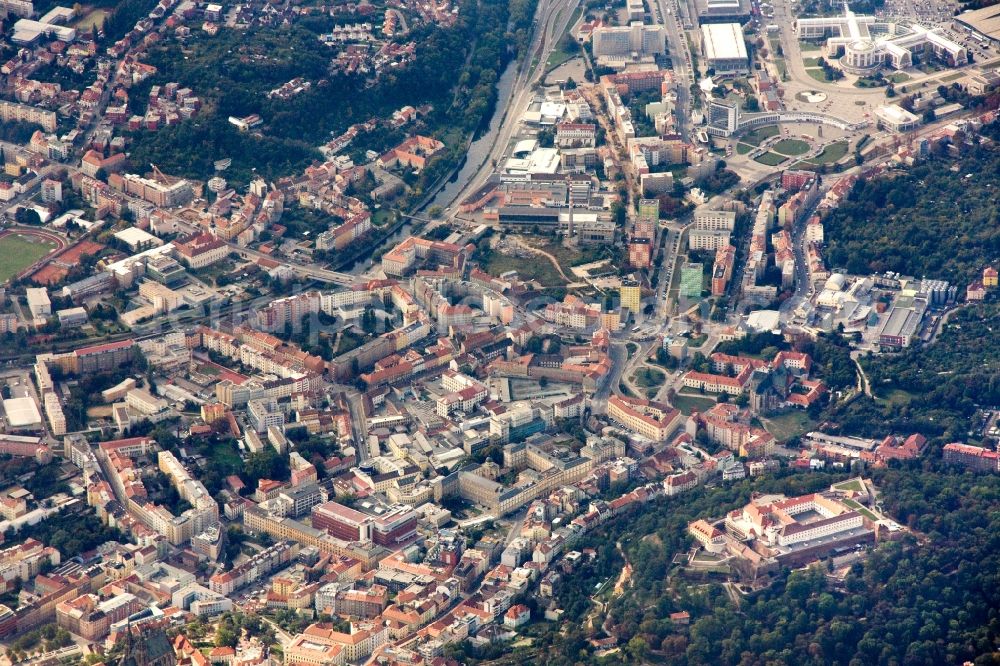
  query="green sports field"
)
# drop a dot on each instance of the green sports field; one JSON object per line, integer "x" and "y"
{"x": 17, "y": 252}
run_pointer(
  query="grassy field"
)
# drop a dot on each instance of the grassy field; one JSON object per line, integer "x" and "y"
{"x": 93, "y": 19}
{"x": 853, "y": 484}
{"x": 944, "y": 79}
{"x": 817, "y": 73}
{"x": 647, "y": 377}
{"x": 770, "y": 159}
{"x": 382, "y": 216}
{"x": 558, "y": 55}
{"x": 17, "y": 252}
{"x": 791, "y": 147}
{"x": 831, "y": 153}
{"x": 743, "y": 149}
{"x": 896, "y": 396}
{"x": 529, "y": 268}
{"x": 807, "y": 47}
{"x": 902, "y": 77}
{"x": 810, "y": 62}
{"x": 569, "y": 257}
{"x": 755, "y": 137}
{"x": 691, "y": 403}
{"x": 790, "y": 424}
{"x": 860, "y": 509}
{"x": 782, "y": 67}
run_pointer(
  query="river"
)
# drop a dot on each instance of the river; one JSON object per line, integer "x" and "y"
{"x": 480, "y": 148}
{"x": 478, "y": 151}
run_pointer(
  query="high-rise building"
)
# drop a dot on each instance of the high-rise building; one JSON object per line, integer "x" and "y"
{"x": 629, "y": 293}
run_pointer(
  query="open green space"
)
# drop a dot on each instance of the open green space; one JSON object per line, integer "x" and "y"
{"x": 649, "y": 377}
{"x": 810, "y": 62}
{"x": 808, "y": 47}
{"x": 831, "y": 153}
{"x": 895, "y": 396}
{"x": 902, "y": 77}
{"x": 567, "y": 48}
{"x": 691, "y": 403}
{"x": 934, "y": 389}
{"x": 852, "y": 485}
{"x": 743, "y": 148}
{"x": 955, "y": 76}
{"x": 817, "y": 73}
{"x": 791, "y": 147}
{"x": 94, "y": 19}
{"x": 349, "y": 339}
{"x": 17, "y": 252}
{"x": 528, "y": 268}
{"x": 793, "y": 423}
{"x": 860, "y": 509}
{"x": 755, "y": 137}
{"x": 782, "y": 68}
{"x": 770, "y": 159}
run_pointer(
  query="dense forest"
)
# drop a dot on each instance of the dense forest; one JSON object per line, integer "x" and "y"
{"x": 932, "y": 220}
{"x": 934, "y": 389}
{"x": 931, "y": 598}
{"x": 455, "y": 70}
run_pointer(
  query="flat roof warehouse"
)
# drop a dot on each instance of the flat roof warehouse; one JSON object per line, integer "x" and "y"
{"x": 724, "y": 41}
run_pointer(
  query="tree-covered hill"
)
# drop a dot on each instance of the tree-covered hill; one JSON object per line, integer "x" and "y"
{"x": 928, "y": 221}
{"x": 932, "y": 599}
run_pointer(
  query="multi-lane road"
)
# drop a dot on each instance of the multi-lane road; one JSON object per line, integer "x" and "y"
{"x": 551, "y": 22}
{"x": 667, "y": 13}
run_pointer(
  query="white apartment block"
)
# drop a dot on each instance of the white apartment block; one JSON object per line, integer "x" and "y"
{"x": 714, "y": 220}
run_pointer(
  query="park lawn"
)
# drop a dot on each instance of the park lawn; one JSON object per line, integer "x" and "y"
{"x": 860, "y": 509}
{"x": 653, "y": 378}
{"x": 383, "y": 216}
{"x": 853, "y": 484}
{"x": 793, "y": 423}
{"x": 902, "y": 77}
{"x": 817, "y": 73}
{"x": 226, "y": 455}
{"x": 528, "y": 268}
{"x": 771, "y": 159}
{"x": 810, "y": 62}
{"x": 791, "y": 147}
{"x": 807, "y": 47}
{"x": 944, "y": 79}
{"x": 896, "y": 396}
{"x": 831, "y": 153}
{"x": 691, "y": 403}
{"x": 755, "y": 137}
{"x": 743, "y": 148}
{"x": 349, "y": 340}
{"x": 17, "y": 252}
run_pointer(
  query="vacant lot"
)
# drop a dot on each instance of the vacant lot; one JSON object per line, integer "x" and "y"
{"x": 528, "y": 268}
{"x": 17, "y": 252}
